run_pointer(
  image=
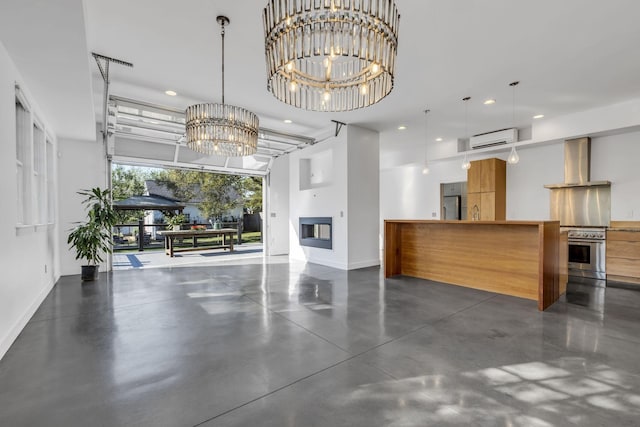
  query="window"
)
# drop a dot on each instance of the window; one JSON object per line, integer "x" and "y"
{"x": 51, "y": 197}
{"x": 39, "y": 175}
{"x": 23, "y": 159}
{"x": 34, "y": 167}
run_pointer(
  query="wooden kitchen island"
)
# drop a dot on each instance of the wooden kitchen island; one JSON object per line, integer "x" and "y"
{"x": 518, "y": 258}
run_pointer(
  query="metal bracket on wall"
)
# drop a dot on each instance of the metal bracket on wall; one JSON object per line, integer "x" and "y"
{"x": 103, "y": 65}
{"x": 338, "y": 126}
{"x": 104, "y": 69}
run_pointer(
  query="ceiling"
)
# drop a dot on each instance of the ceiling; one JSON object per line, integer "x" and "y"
{"x": 569, "y": 56}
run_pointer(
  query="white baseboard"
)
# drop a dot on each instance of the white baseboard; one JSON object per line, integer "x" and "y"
{"x": 13, "y": 333}
{"x": 364, "y": 264}
{"x": 328, "y": 263}
{"x": 340, "y": 265}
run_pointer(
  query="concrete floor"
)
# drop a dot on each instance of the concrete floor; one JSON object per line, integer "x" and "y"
{"x": 246, "y": 343}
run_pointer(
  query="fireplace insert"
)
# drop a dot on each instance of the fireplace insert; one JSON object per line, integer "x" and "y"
{"x": 316, "y": 232}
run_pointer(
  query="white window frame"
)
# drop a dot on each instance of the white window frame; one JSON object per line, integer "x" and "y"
{"x": 24, "y": 138}
{"x": 39, "y": 168}
{"x": 50, "y": 180}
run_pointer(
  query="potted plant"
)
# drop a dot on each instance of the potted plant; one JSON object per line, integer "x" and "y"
{"x": 176, "y": 221}
{"x": 92, "y": 239}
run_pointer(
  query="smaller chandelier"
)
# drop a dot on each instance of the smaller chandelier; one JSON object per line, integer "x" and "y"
{"x": 330, "y": 55}
{"x": 221, "y": 129}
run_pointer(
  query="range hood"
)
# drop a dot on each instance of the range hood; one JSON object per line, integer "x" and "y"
{"x": 578, "y": 201}
{"x": 577, "y": 165}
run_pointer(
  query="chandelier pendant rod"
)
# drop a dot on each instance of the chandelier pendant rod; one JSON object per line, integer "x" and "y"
{"x": 222, "y": 63}
{"x": 222, "y": 20}
{"x": 220, "y": 129}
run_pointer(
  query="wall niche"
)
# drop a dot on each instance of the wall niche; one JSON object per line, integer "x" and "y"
{"x": 316, "y": 171}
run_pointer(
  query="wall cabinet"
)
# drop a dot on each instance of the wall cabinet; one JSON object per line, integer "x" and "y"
{"x": 487, "y": 190}
{"x": 623, "y": 256}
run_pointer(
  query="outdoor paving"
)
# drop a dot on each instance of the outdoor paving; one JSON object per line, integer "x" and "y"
{"x": 157, "y": 258}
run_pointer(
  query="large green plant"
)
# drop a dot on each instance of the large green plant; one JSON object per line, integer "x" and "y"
{"x": 177, "y": 219}
{"x": 92, "y": 239}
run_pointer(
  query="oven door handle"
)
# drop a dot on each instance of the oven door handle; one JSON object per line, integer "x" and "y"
{"x": 578, "y": 241}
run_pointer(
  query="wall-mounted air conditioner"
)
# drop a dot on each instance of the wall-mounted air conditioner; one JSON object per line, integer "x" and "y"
{"x": 504, "y": 136}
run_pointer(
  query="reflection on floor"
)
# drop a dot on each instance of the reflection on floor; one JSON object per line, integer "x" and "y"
{"x": 253, "y": 343}
{"x": 589, "y": 293}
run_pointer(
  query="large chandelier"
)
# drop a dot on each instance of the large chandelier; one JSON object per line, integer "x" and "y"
{"x": 221, "y": 129}
{"x": 331, "y": 55}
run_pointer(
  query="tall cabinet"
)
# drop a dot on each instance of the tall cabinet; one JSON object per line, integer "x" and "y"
{"x": 487, "y": 190}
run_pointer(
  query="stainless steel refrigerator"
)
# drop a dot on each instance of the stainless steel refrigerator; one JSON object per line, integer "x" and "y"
{"x": 451, "y": 207}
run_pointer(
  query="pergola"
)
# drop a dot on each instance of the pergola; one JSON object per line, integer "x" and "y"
{"x": 147, "y": 203}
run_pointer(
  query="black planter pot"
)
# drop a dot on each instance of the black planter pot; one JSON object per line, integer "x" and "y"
{"x": 89, "y": 272}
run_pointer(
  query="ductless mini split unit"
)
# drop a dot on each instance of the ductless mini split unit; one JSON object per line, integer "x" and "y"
{"x": 499, "y": 137}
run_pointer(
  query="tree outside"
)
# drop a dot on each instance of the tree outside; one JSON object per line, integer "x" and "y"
{"x": 127, "y": 181}
{"x": 252, "y": 190}
{"x": 216, "y": 194}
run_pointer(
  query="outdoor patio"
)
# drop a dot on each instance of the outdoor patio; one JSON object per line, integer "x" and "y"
{"x": 157, "y": 258}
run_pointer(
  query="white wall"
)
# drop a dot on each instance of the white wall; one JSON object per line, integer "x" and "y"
{"x": 81, "y": 166}
{"x": 277, "y": 208}
{"x": 324, "y": 199}
{"x": 527, "y": 199}
{"x": 617, "y": 159}
{"x": 622, "y": 116}
{"x": 406, "y": 193}
{"x": 28, "y": 258}
{"x": 337, "y": 178}
{"x": 363, "y": 198}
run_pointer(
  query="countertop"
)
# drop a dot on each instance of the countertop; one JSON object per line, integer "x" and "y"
{"x": 438, "y": 221}
{"x": 633, "y": 226}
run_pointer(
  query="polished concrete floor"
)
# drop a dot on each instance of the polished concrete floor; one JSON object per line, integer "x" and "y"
{"x": 248, "y": 343}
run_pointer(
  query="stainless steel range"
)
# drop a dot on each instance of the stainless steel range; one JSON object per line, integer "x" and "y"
{"x": 587, "y": 248}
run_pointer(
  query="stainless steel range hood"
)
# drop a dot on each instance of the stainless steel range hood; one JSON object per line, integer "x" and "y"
{"x": 577, "y": 165}
{"x": 579, "y": 201}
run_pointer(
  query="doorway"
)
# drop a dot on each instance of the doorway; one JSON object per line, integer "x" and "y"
{"x": 453, "y": 200}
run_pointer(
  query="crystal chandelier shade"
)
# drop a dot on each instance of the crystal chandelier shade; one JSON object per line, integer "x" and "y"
{"x": 221, "y": 129}
{"x": 331, "y": 55}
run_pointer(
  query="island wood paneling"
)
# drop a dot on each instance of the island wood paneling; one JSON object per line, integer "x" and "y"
{"x": 549, "y": 284}
{"x": 518, "y": 258}
{"x": 392, "y": 254}
{"x": 563, "y": 261}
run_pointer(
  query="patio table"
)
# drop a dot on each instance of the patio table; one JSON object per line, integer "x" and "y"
{"x": 170, "y": 236}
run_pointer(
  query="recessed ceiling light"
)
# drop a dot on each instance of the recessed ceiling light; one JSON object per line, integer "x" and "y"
{"x": 171, "y": 92}
{"x": 539, "y": 116}
{"x": 402, "y": 127}
{"x": 439, "y": 139}
{"x": 489, "y": 101}
{"x": 288, "y": 121}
